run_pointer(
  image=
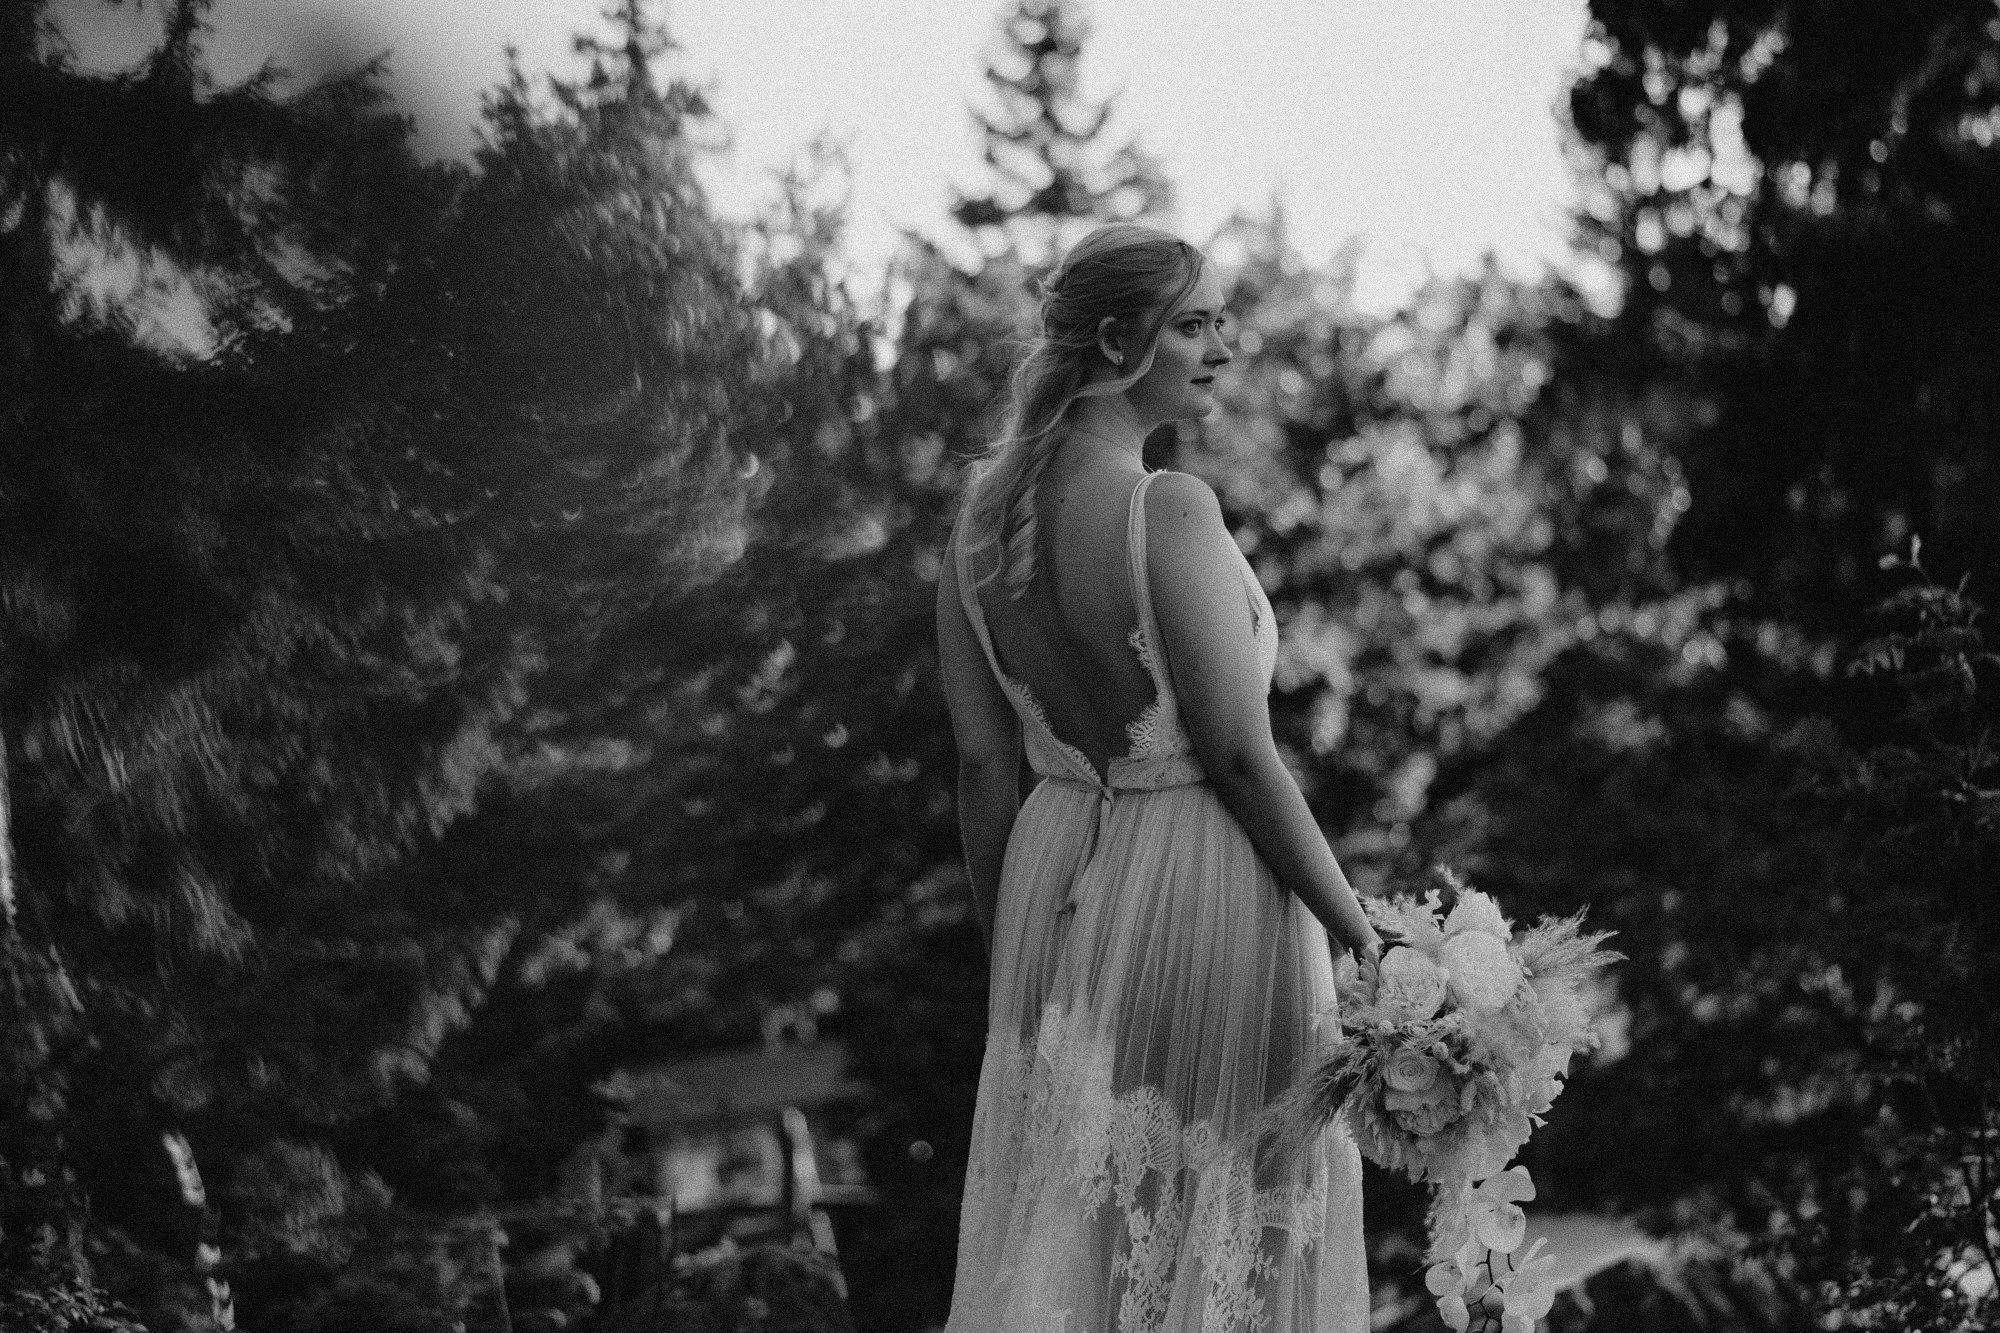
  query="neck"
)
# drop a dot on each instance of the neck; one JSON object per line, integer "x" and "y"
{"x": 1110, "y": 420}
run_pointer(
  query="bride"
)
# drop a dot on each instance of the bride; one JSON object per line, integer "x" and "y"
{"x": 1158, "y": 908}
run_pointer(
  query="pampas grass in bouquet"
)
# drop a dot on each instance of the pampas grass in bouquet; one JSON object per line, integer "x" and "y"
{"x": 1452, "y": 1050}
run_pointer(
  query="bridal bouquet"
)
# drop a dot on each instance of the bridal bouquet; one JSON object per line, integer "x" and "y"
{"x": 1452, "y": 1050}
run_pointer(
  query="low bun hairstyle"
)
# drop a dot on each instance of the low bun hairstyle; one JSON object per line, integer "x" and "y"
{"x": 1128, "y": 272}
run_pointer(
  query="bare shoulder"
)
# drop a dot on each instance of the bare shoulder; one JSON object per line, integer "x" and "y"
{"x": 1176, "y": 497}
{"x": 1182, "y": 509}
{"x": 1193, "y": 570}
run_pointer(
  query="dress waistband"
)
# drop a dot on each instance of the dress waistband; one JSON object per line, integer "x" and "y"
{"x": 1149, "y": 773}
{"x": 1108, "y": 790}
{"x": 1107, "y": 796}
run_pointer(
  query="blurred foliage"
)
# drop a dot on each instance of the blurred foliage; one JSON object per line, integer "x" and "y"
{"x": 1800, "y": 202}
{"x": 501, "y": 652}
{"x": 765, "y": 1289}
{"x": 1433, "y": 498}
{"x": 1802, "y": 198}
{"x": 1897, "y": 1236}
{"x": 310, "y": 647}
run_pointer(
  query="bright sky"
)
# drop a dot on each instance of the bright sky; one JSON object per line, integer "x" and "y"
{"x": 1426, "y": 127}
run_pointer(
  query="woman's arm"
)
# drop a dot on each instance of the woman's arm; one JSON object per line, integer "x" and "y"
{"x": 1196, "y": 582}
{"x": 989, "y": 749}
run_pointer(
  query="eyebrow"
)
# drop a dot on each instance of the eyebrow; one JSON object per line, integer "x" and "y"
{"x": 1202, "y": 311}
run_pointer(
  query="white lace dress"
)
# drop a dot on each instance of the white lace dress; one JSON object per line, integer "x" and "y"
{"x": 1153, "y": 989}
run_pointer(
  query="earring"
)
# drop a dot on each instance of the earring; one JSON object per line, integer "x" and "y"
{"x": 1117, "y": 358}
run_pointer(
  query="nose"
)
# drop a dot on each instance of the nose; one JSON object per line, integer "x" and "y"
{"x": 1218, "y": 353}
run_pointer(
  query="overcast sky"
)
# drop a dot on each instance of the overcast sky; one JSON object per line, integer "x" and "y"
{"x": 1427, "y": 127}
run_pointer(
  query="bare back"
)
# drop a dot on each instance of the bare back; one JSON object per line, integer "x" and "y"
{"x": 1069, "y": 637}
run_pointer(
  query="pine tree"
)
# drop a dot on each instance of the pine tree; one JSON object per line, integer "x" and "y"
{"x": 577, "y": 353}
{"x": 1053, "y": 175}
{"x": 165, "y": 635}
{"x": 272, "y": 620}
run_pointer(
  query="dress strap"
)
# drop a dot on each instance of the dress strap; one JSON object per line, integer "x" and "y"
{"x": 969, "y": 599}
{"x": 1142, "y": 589}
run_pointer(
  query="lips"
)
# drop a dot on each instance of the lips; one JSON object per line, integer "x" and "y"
{"x": 1205, "y": 381}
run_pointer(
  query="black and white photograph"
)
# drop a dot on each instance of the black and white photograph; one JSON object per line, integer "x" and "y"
{"x": 999, "y": 666}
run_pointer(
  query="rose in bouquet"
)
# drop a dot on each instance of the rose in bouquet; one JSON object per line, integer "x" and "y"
{"x": 1452, "y": 1050}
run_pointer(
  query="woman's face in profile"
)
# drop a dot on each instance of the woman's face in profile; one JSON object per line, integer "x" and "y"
{"x": 1189, "y": 351}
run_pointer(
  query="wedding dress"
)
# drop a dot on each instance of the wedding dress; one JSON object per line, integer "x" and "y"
{"x": 1153, "y": 989}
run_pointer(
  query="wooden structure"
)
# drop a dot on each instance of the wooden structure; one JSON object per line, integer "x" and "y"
{"x": 735, "y": 1144}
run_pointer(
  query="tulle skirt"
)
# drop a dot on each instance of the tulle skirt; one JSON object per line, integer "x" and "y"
{"x": 1153, "y": 990}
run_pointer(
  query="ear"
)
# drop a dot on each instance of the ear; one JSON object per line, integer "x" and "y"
{"x": 1108, "y": 341}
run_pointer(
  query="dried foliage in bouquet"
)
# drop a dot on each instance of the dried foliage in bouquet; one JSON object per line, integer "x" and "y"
{"x": 1452, "y": 1051}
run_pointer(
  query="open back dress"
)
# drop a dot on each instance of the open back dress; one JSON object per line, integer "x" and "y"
{"x": 1154, "y": 988}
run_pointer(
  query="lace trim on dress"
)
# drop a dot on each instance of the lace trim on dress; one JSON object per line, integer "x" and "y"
{"x": 1186, "y": 1193}
{"x": 1137, "y": 638}
{"x": 1027, "y": 698}
{"x": 1143, "y": 730}
{"x": 1157, "y": 732}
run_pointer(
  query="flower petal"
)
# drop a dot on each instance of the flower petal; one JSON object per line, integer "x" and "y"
{"x": 1478, "y": 911}
{"x": 1452, "y": 1310}
{"x": 1534, "y": 1258}
{"x": 1530, "y": 1300}
{"x": 1514, "y": 1185}
{"x": 1445, "y": 1279}
{"x": 1501, "y": 1227}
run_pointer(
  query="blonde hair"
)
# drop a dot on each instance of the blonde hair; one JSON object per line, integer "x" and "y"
{"x": 1122, "y": 271}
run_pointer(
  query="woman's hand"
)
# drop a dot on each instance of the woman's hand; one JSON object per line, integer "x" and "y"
{"x": 1367, "y": 950}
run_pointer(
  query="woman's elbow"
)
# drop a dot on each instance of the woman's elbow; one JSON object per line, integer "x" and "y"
{"x": 980, "y": 768}
{"x": 1244, "y": 764}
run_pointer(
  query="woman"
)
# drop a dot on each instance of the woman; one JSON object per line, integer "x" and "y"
{"x": 1158, "y": 909}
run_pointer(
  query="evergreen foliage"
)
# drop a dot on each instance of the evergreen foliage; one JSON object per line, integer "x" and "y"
{"x": 177, "y": 685}
{"x": 312, "y": 649}
{"x": 1052, "y": 175}
{"x": 1794, "y": 194}
{"x": 496, "y": 649}
{"x": 1802, "y": 199}
{"x": 1899, "y": 1233}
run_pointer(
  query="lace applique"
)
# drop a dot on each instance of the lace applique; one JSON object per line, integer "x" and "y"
{"x": 1227, "y": 1231}
{"x": 1157, "y": 731}
{"x": 1033, "y": 705}
{"x": 1143, "y": 1142}
{"x": 1137, "y": 638}
{"x": 1185, "y": 1194}
{"x": 1143, "y": 730}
